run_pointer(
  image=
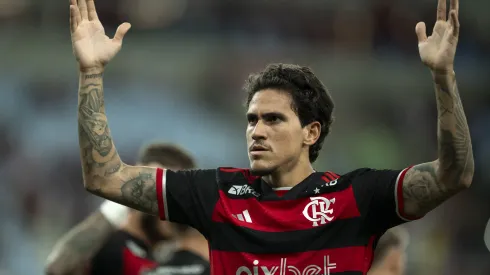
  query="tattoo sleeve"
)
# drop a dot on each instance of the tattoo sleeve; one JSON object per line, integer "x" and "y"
{"x": 104, "y": 173}
{"x": 427, "y": 185}
{"x": 73, "y": 251}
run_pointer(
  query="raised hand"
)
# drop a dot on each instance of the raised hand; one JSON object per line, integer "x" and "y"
{"x": 92, "y": 48}
{"x": 438, "y": 50}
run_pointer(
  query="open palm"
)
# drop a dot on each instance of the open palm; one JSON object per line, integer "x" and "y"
{"x": 438, "y": 50}
{"x": 92, "y": 48}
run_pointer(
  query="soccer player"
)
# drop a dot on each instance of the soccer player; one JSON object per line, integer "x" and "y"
{"x": 280, "y": 216}
{"x": 389, "y": 256}
{"x": 486, "y": 235}
{"x": 122, "y": 240}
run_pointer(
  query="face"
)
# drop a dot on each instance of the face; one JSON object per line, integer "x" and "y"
{"x": 275, "y": 137}
{"x": 155, "y": 229}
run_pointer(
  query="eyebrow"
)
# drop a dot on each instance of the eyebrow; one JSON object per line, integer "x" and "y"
{"x": 268, "y": 114}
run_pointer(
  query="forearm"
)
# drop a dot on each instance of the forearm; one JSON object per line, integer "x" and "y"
{"x": 455, "y": 154}
{"x": 73, "y": 251}
{"x": 427, "y": 185}
{"x": 104, "y": 173}
{"x": 99, "y": 157}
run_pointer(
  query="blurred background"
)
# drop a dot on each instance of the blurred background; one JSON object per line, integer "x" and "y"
{"x": 179, "y": 78}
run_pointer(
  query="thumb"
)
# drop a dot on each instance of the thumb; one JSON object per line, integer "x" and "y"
{"x": 420, "y": 30}
{"x": 121, "y": 32}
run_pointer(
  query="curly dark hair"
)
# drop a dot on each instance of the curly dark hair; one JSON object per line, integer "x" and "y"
{"x": 310, "y": 98}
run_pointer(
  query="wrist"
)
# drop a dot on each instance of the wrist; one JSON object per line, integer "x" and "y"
{"x": 443, "y": 76}
{"x": 92, "y": 70}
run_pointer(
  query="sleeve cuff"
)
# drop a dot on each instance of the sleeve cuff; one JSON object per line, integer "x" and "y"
{"x": 400, "y": 206}
{"x": 161, "y": 182}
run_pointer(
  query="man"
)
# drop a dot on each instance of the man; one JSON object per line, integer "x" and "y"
{"x": 117, "y": 241}
{"x": 280, "y": 216}
{"x": 389, "y": 256}
{"x": 486, "y": 235}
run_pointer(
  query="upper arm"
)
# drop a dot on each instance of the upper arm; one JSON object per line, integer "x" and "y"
{"x": 133, "y": 186}
{"x": 81, "y": 243}
{"x": 424, "y": 188}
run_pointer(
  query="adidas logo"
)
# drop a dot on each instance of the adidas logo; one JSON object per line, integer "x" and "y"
{"x": 244, "y": 216}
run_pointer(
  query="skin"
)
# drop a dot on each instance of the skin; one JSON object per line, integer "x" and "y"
{"x": 425, "y": 186}
{"x": 73, "y": 251}
{"x": 273, "y": 125}
{"x": 392, "y": 264}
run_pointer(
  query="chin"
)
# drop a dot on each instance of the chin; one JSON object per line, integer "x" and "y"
{"x": 261, "y": 168}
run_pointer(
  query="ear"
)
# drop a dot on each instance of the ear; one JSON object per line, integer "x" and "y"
{"x": 311, "y": 133}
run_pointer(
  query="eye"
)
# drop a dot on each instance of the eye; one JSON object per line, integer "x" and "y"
{"x": 273, "y": 119}
{"x": 252, "y": 119}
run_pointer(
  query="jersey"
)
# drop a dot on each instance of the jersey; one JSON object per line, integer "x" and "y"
{"x": 326, "y": 224}
{"x": 122, "y": 254}
{"x": 182, "y": 262}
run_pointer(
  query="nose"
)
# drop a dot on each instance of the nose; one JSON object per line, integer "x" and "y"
{"x": 259, "y": 131}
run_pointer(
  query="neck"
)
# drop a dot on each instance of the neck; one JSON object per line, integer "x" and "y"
{"x": 194, "y": 242}
{"x": 133, "y": 227}
{"x": 290, "y": 175}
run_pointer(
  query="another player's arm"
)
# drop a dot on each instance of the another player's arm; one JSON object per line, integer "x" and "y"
{"x": 73, "y": 251}
{"x": 427, "y": 185}
{"x": 104, "y": 173}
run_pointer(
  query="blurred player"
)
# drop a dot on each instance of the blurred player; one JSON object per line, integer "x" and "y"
{"x": 486, "y": 235}
{"x": 280, "y": 215}
{"x": 389, "y": 256}
{"x": 117, "y": 240}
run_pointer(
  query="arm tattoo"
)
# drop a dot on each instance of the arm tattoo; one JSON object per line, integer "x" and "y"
{"x": 140, "y": 192}
{"x": 428, "y": 185}
{"x": 99, "y": 156}
{"x": 104, "y": 172}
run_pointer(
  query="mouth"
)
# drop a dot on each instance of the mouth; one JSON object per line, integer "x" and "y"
{"x": 256, "y": 150}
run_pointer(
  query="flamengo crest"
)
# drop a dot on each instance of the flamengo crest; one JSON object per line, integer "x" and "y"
{"x": 318, "y": 210}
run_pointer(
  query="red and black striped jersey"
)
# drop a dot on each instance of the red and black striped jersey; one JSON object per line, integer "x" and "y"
{"x": 326, "y": 224}
{"x": 122, "y": 254}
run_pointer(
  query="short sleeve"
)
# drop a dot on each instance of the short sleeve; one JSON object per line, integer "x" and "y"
{"x": 379, "y": 195}
{"x": 187, "y": 197}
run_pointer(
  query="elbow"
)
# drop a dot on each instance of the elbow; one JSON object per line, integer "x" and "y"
{"x": 467, "y": 175}
{"x": 95, "y": 184}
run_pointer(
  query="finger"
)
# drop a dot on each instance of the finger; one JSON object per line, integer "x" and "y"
{"x": 76, "y": 11}
{"x": 420, "y": 30}
{"x": 92, "y": 12}
{"x": 82, "y": 6}
{"x": 73, "y": 19}
{"x": 121, "y": 32}
{"x": 441, "y": 10}
{"x": 454, "y": 5}
{"x": 454, "y": 22}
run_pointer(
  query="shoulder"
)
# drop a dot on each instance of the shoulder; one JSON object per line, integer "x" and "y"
{"x": 226, "y": 174}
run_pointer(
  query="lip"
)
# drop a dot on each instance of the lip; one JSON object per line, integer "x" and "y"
{"x": 258, "y": 148}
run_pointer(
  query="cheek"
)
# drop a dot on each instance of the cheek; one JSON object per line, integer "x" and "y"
{"x": 288, "y": 141}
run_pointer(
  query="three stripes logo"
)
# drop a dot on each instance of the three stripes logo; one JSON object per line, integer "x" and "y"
{"x": 244, "y": 217}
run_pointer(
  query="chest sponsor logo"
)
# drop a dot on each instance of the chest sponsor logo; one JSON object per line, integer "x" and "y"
{"x": 319, "y": 210}
{"x": 240, "y": 190}
{"x": 284, "y": 269}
